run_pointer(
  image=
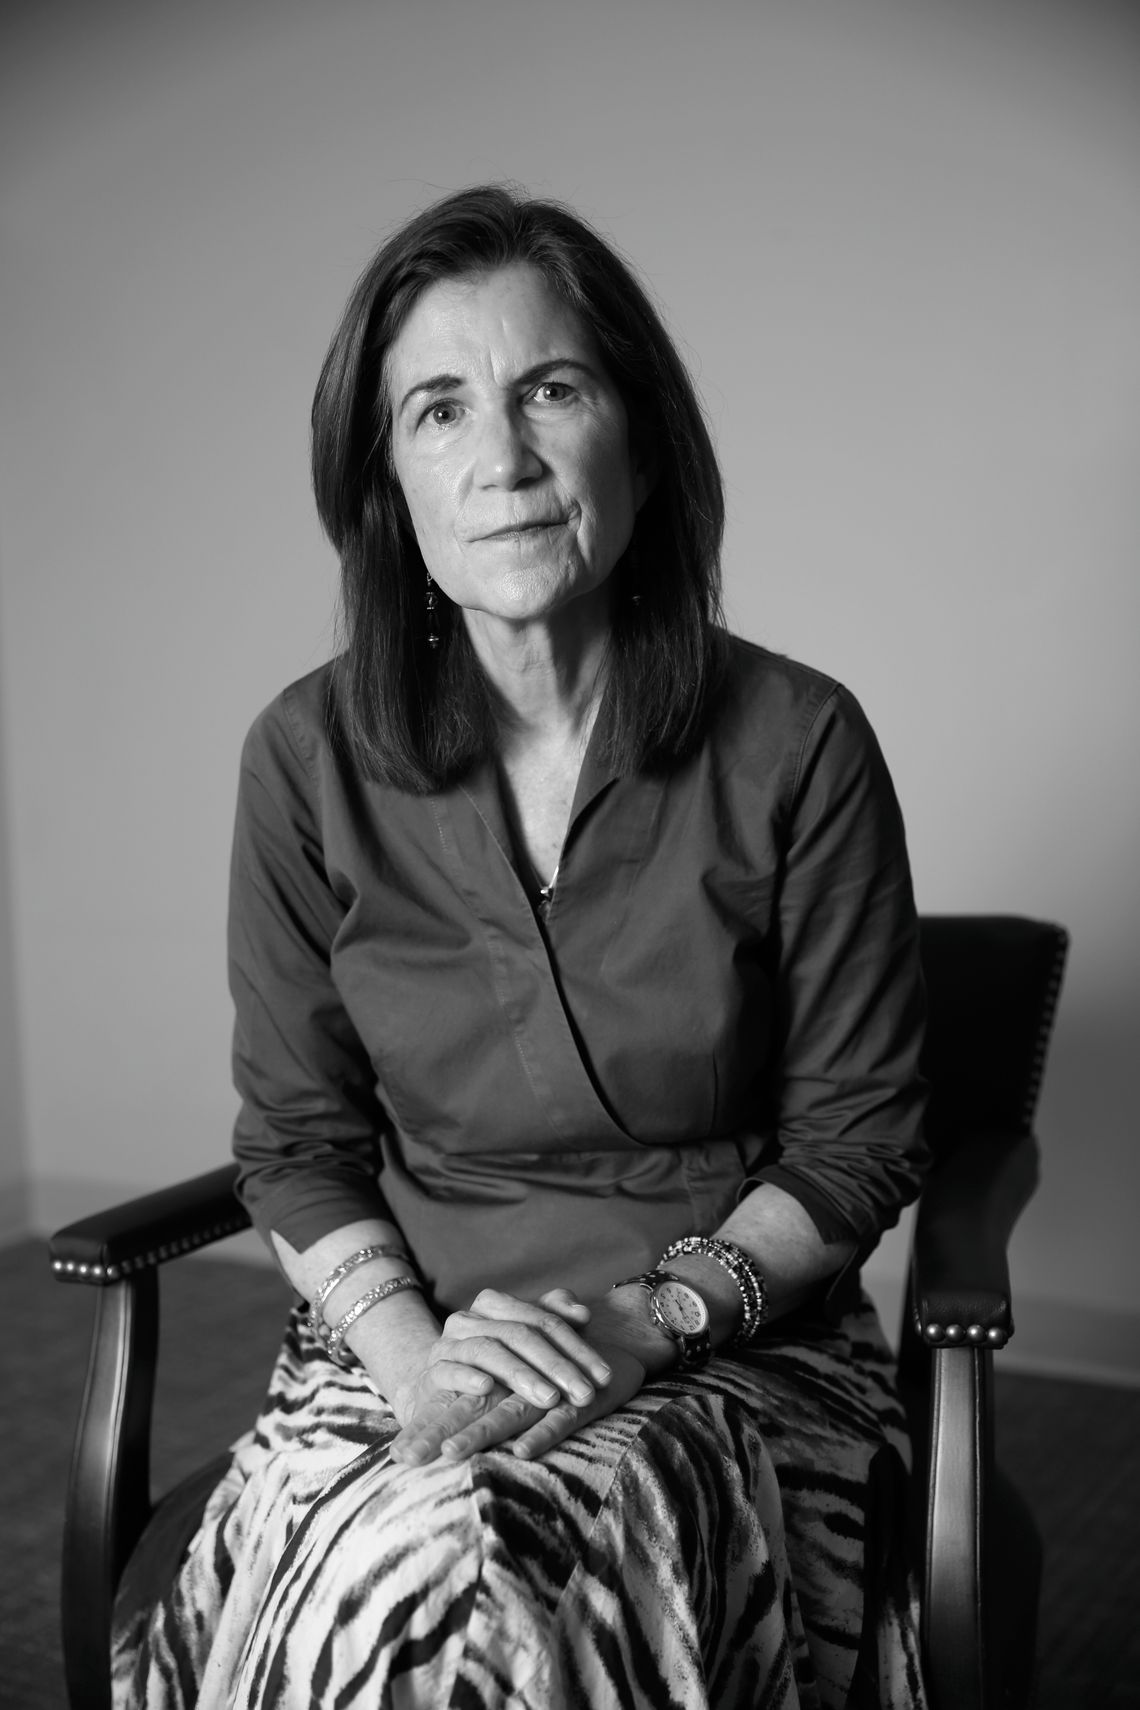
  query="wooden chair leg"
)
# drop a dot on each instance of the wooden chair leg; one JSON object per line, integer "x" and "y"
{"x": 961, "y": 1456}
{"x": 108, "y": 1500}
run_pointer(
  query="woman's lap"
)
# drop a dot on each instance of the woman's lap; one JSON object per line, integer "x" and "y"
{"x": 701, "y": 1546}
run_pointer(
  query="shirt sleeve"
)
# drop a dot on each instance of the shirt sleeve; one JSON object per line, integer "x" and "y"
{"x": 850, "y": 1000}
{"x": 307, "y": 1134}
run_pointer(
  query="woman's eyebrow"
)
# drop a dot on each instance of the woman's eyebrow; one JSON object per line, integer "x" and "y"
{"x": 529, "y": 377}
{"x": 543, "y": 370}
{"x": 437, "y": 383}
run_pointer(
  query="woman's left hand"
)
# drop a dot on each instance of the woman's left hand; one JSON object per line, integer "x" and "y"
{"x": 453, "y": 1426}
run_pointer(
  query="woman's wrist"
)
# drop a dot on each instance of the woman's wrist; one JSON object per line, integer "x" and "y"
{"x": 364, "y": 1270}
{"x": 621, "y": 1319}
{"x": 637, "y": 1330}
{"x": 393, "y": 1343}
{"x": 747, "y": 1279}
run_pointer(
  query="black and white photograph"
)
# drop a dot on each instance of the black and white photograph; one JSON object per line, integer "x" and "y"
{"x": 570, "y": 855}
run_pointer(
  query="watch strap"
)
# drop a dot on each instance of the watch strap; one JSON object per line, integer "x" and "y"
{"x": 647, "y": 1279}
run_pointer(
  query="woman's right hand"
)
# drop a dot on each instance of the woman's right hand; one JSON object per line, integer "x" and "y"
{"x": 503, "y": 1364}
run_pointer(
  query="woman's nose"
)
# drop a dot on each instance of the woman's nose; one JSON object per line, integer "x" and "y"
{"x": 505, "y": 455}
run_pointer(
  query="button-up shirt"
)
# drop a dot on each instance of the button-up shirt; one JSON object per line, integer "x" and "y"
{"x": 722, "y": 989}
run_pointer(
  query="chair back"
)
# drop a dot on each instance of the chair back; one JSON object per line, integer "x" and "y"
{"x": 992, "y": 984}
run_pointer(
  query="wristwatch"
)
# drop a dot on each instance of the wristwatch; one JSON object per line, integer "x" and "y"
{"x": 680, "y": 1312}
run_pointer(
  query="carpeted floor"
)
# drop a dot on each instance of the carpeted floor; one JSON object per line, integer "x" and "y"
{"x": 1074, "y": 1450}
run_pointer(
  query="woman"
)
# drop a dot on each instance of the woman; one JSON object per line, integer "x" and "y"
{"x": 578, "y": 1010}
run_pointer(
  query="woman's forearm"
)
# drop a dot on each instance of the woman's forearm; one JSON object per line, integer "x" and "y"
{"x": 778, "y": 1236}
{"x": 392, "y": 1339}
{"x": 774, "y": 1230}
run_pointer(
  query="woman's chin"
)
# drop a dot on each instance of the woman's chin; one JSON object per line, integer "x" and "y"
{"x": 535, "y": 596}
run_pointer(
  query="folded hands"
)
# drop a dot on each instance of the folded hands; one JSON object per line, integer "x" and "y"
{"x": 520, "y": 1374}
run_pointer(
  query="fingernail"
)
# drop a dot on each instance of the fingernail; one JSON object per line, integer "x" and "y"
{"x": 581, "y": 1392}
{"x": 545, "y": 1393}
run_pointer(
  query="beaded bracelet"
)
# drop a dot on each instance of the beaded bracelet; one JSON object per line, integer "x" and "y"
{"x": 360, "y": 1257}
{"x": 744, "y": 1273}
{"x": 381, "y": 1292}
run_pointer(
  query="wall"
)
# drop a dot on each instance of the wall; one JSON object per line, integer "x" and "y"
{"x": 901, "y": 245}
{"x": 14, "y": 1186}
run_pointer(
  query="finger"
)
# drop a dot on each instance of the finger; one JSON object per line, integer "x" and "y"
{"x": 501, "y": 1425}
{"x": 556, "y": 1424}
{"x": 495, "y": 1359}
{"x": 508, "y": 1365}
{"x": 522, "y": 1359}
{"x": 435, "y": 1421}
{"x": 447, "y": 1375}
{"x": 438, "y": 1394}
{"x": 456, "y": 1435}
{"x": 566, "y": 1304}
{"x": 528, "y": 1327}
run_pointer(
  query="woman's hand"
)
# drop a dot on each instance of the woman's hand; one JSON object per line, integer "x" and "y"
{"x": 513, "y": 1371}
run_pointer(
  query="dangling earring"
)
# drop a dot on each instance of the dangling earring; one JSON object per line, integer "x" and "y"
{"x": 429, "y": 605}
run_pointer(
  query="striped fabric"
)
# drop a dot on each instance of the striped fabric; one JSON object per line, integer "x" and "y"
{"x": 701, "y": 1547}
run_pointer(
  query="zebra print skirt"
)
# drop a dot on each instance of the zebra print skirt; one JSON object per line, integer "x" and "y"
{"x": 702, "y": 1547}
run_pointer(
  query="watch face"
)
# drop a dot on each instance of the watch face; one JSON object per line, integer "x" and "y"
{"x": 681, "y": 1307}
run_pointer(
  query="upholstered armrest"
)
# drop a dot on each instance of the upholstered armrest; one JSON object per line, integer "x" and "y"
{"x": 968, "y": 1210}
{"x": 145, "y": 1232}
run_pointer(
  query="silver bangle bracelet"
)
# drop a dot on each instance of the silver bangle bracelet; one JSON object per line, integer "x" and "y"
{"x": 743, "y": 1271}
{"x": 344, "y": 1269}
{"x": 369, "y": 1299}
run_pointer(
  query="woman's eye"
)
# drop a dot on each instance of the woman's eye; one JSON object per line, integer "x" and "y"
{"x": 441, "y": 414}
{"x": 552, "y": 392}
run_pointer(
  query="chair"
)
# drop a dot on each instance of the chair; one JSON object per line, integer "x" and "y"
{"x": 993, "y": 983}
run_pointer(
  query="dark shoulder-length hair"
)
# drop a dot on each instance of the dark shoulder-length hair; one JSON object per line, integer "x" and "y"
{"x": 420, "y": 717}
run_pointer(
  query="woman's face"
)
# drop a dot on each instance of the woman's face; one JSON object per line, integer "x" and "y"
{"x": 511, "y": 445}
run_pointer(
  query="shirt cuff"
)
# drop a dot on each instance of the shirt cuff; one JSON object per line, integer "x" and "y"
{"x": 830, "y": 1223}
{"x": 324, "y": 1207}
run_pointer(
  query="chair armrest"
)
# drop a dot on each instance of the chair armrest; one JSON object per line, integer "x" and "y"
{"x": 109, "y": 1500}
{"x": 967, "y": 1213}
{"x": 962, "y": 1312}
{"x": 142, "y": 1233}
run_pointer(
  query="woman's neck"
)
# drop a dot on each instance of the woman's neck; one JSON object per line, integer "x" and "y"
{"x": 548, "y": 674}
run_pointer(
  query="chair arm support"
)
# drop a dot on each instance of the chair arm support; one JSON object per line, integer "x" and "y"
{"x": 109, "y": 1502}
{"x": 142, "y": 1233}
{"x": 957, "y": 1642}
{"x": 969, "y": 1207}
